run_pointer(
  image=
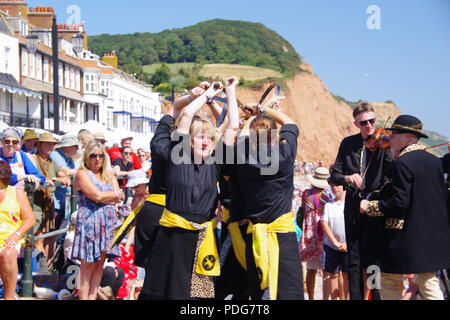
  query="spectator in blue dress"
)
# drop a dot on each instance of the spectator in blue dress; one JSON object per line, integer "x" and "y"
{"x": 98, "y": 192}
{"x": 22, "y": 167}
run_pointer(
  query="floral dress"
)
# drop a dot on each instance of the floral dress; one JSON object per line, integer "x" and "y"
{"x": 94, "y": 227}
{"x": 311, "y": 242}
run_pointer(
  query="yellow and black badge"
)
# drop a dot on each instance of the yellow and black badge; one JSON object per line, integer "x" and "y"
{"x": 209, "y": 262}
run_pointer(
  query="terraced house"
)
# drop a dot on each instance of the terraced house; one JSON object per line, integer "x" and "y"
{"x": 90, "y": 88}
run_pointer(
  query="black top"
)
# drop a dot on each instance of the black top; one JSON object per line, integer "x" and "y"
{"x": 192, "y": 190}
{"x": 446, "y": 163}
{"x": 267, "y": 196}
{"x": 123, "y": 167}
{"x": 416, "y": 195}
{"x": 160, "y": 148}
{"x": 348, "y": 162}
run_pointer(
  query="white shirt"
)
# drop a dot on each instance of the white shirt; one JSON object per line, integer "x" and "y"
{"x": 334, "y": 215}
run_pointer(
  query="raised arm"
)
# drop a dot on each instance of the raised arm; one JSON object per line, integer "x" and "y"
{"x": 179, "y": 104}
{"x": 232, "y": 112}
{"x": 191, "y": 110}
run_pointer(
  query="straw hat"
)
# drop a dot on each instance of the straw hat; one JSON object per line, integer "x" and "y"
{"x": 320, "y": 178}
{"x": 99, "y": 136}
{"x": 30, "y": 134}
{"x": 47, "y": 137}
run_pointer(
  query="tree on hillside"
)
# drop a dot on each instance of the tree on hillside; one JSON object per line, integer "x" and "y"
{"x": 161, "y": 75}
{"x": 213, "y": 41}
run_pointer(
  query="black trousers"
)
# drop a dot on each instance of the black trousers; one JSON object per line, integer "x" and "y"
{"x": 109, "y": 278}
{"x": 233, "y": 277}
{"x": 290, "y": 275}
{"x": 147, "y": 226}
{"x": 363, "y": 247}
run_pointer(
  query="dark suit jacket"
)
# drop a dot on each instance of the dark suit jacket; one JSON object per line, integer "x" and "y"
{"x": 416, "y": 195}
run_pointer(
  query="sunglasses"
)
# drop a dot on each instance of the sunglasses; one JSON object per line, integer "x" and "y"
{"x": 95, "y": 155}
{"x": 128, "y": 153}
{"x": 9, "y": 142}
{"x": 366, "y": 122}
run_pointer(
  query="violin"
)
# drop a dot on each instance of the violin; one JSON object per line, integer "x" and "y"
{"x": 378, "y": 140}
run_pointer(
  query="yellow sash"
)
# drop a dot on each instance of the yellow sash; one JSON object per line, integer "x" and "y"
{"x": 225, "y": 214}
{"x": 130, "y": 221}
{"x": 236, "y": 238}
{"x": 207, "y": 261}
{"x": 127, "y": 225}
{"x": 157, "y": 198}
{"x": 238, "y": 243}
{"x": 267, "y": 252}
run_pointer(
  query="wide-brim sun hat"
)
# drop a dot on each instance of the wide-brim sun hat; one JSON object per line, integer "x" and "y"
{"x": 320, "y": 178}
{"x": 47, "y": 137}
{"x": 69, "y": 140}
{"x": 136, "y": 178}
{"x": 30, "y": 134}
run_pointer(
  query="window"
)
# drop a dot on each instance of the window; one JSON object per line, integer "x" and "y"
{"x": 66, "y": 76}
{"x": 6, "y": 59}
{"x": 72, "y": 79}
{"x": 25, "y": 63}
{"x": 32, "y": 62}
{"x": 77, "y": 80}
{"x": 39, "y": 67}
{"x": 46, "y": 70}
{"x": 61, "y": 74}
{"x": 24, "y": 28}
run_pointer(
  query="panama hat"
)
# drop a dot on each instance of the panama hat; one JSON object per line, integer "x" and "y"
{"x": 320, "y": 178}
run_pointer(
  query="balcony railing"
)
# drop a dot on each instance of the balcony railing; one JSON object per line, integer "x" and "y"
{"x": 20, "y": 121}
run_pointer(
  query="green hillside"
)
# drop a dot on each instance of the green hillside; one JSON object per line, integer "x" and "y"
{"x": 209, "y": 42}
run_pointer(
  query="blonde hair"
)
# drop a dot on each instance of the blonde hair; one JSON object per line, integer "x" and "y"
{"x": 85, "y": 136}
{"x": 205, "y": 127}
{"x": 90, "y": 148}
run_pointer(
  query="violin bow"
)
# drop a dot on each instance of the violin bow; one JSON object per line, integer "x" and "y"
{"x": 437, "y": 146}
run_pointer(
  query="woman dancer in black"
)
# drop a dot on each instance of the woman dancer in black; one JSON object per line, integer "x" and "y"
{"x": 184, "y": 257}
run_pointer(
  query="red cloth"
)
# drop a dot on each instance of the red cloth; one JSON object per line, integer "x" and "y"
{"x": 116, "y": 153}
{"x": 126, "y": 262}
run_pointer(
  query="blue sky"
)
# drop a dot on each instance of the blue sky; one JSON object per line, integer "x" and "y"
{"x": 407, "y": 60}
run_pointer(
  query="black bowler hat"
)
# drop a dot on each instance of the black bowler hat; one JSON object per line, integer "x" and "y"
{"x": 408, "y": 124}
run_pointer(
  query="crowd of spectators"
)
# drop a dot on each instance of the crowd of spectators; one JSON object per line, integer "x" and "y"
{"x": 54, "y": 166}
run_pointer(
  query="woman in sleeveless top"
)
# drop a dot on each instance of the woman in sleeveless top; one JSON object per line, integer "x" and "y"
{"x": 16, "y": 218}
{"x": 98, "y": 192}
{"x": 22, "y": 167}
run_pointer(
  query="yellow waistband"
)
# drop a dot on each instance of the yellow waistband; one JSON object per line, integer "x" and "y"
{"x": 225, "y": 214}
{"x": 266, "y": 250}
{"x": 207, "y": 260}
{"x": 157, "y": 198}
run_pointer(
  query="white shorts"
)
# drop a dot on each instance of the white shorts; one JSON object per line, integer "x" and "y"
{"x": 18, "y": 248}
